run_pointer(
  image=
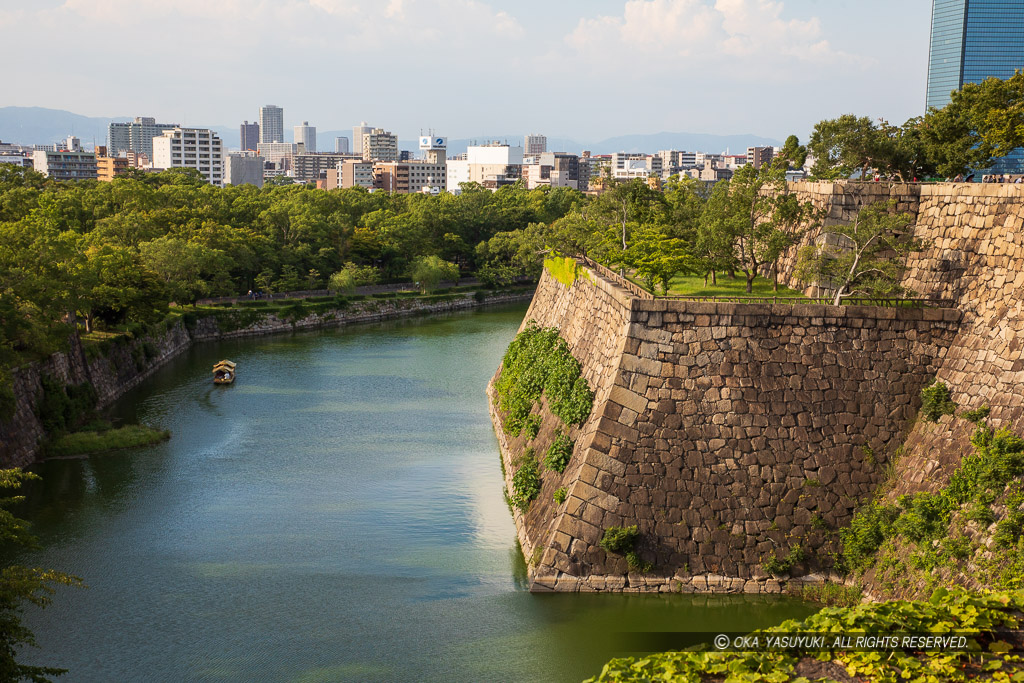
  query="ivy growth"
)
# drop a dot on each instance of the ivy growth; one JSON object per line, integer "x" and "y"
{"x": 538, "y": 362}
{"x": 525, "y": 481}
{"x": 559, "y": 453}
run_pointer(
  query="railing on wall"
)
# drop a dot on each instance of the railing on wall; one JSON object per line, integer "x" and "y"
{"x": 628, "y": 285}
{"x": 889, "y": 302}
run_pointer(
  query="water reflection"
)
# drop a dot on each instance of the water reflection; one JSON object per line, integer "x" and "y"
{"x": 337, "y": 514}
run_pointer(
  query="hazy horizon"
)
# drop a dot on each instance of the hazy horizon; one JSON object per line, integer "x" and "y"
{"x": 466, "y": 68}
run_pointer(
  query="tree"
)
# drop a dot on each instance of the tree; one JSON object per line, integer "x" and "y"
{"x": 429, "y": 271}
{"x": 352, "y": 276}
{"x": 656, "y": 258}
{"x": 752, "y": 219}
{"x": 20, "y": 585}
{"x": 867, "y": 257}
{"x": 841, "y": 146}
{"x": 188, "y": 270}
{"x": 630, "y": 202}
{"x": 793, "y": 153}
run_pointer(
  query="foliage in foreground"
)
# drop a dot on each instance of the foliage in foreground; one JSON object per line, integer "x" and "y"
{"x": 538, "y": 361}
{"x": 952, "y": 526}
{"x": 977, "y": 616}
{"x": 20, "y": 585}
{"x": 81, "y": 443}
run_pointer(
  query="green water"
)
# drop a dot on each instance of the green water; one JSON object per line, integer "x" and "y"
{"x": 336, "y": 515}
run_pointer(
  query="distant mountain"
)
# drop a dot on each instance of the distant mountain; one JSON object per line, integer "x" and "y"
{"x": 37, "y": 125}
{"x": 40, "y": 126}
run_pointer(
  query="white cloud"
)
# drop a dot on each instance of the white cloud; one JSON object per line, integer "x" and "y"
{"x": 749, "y": 38}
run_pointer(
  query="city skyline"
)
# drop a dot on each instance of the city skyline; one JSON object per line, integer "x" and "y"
{"x": 758, "y": 67}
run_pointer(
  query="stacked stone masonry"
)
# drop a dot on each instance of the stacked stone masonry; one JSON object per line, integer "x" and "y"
{"x": 974, "y": 255}
{"x": 726, "y": 432}
{"x": 729, "y": 432}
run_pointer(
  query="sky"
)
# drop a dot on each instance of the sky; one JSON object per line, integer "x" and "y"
{"x": 579, "y": 69}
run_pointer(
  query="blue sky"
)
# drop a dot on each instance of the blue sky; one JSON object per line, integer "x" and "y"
{"x": 582, "y": 69}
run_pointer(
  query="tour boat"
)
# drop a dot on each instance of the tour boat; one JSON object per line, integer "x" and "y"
{"x": 224, "y": 372}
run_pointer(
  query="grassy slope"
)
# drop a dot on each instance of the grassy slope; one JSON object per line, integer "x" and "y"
{"x": 82, "y": 443}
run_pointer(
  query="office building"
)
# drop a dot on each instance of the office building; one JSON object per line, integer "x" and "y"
{"x": 71, "y": 144}
{"x": 972, "y": 40}
{"x": 410, "y": 176}
{"x": 250, "y": 136}
{"x": 107, "y": 167}
{"x": 198, "y": 148}
{"x": 306, "y": 135}
{"x": 243, "y": 169}
{"x": 380, "y": 145}
{"x": 341, "y": 145}
{"x": 553, "y": 169}
{"x": 135, "y": 136}
{"x": 271, "y": 123}
{"x": 535, "y": 144}
{"x": 65, "y": 165}
{"x": 491, "y": 165}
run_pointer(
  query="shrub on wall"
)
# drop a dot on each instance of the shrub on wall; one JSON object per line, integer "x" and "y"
{"x": 936, "y": 401}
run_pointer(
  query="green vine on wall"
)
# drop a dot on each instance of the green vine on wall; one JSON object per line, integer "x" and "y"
{"x": 538, "y": 361}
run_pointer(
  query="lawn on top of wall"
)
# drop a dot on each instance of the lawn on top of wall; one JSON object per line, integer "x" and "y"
{"x": 693, "y": 285}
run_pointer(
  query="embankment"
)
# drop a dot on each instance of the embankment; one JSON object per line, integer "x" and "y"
{"x": 125, "y": 363}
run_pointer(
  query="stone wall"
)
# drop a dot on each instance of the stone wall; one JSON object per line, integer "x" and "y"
{"x": 125, "y": 365}
{"x": 727, "y": 432}
{"x": 974, "y": 255}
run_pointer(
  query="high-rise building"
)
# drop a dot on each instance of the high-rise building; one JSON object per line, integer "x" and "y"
{"x": 198, "y": 148}
{"x": 271, "y": 123}
{"x": 135, "y": 136}
{"x": 380, "y": 145}
{"x": 972, "y": 40}
{"x": 341, "y": 145}
{"x": 357, "y": 136}
{"x": 535, "y": 144}
{"x": 250, "y": 136}
{"x": 306, "y": 134}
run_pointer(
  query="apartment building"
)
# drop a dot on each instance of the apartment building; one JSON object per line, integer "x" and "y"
{"x": 107, "y": 167}
{"x": 280, "y": 154}
{"x": 135, "y": 136}
{"x": 198, "y": 148}
{"x": 355, "y": 174}
{"x": 65, "y": 165}
{"x": 760, "y": 156}
{"x": 535, "y": 144}
{"x": 380, "y": 145}
{"x": 311, "y": 167}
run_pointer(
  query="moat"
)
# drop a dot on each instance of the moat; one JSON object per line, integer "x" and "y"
{"x": 336, "y": 515}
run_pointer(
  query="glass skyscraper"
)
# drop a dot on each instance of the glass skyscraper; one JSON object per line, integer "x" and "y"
{"x": 972, "y": 40}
